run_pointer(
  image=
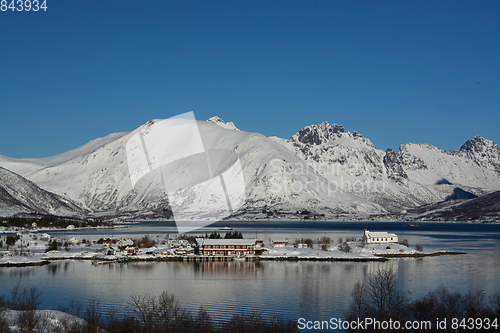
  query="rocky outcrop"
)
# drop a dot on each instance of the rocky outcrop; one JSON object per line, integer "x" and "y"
{"x": 393, "y": 167}
{"x": 318, "y": 134}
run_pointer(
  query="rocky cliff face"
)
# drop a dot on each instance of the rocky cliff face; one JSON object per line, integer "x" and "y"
{"x": 483, "y": 151}
{"x": 318, "y": 134}
{"x": 394, "y": 168}
{"x": 326, "y": 134}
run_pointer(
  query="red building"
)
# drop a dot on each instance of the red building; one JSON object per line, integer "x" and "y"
{"x": 228, "y": 247}
{"x": 280, "y": 243}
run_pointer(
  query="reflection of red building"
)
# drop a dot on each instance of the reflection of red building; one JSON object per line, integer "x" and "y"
{"x": 228, "y": 247}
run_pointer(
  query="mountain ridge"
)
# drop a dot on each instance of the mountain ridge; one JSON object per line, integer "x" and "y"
{"x": 320, "y": 168}
{"x": 18, "y": 194}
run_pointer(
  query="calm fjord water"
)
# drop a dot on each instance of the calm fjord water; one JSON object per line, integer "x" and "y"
{"x": 312, "y": 290}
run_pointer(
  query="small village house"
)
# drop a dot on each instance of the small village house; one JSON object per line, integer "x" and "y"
{"x": 131, "y": 250}
{"x": 44, "y": 237}
{"x": 123, "y": 243}
{"x": 73, "y": 241}
{"x": 110, "y": 251}
{"x": 280, "y": 242}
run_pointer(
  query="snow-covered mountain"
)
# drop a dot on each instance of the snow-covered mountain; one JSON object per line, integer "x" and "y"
{"x": 321, "y": 168}
{"x": 418, "y": 174}
{"x": 229, "y": 125}
{"x": 18, "y": 194}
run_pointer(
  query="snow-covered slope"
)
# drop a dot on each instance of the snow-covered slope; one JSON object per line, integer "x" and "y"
{"x": 416, "y": 175}
{"x": 19, "y": 195}
{"x": 99, "y": 180}
{"x": 321, "y": 168}
{"x": 476, "y": 166}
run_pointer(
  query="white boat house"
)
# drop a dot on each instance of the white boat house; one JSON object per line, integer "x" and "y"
{"x": 379, "y": 237}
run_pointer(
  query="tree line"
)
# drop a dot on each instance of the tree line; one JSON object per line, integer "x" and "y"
{"x": 147, "y": 314}
{"x": 380, "y": 298}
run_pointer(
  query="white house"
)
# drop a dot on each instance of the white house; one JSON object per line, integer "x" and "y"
{"x": 73, "y": 241}
{"x": 379, "y": 237}
{"x": 124, "y": 243}
{"x": 45, "y": 237}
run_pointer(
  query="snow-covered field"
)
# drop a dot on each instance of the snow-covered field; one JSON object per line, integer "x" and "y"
{"x": 357, "y": 251}
{"x": 31, "y": 249}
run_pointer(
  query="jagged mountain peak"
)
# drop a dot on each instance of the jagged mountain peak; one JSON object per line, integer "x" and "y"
{"x": 333, "y": 134}
{"x": 483, "y": 151}
{"x": 218, "y": 121}
{"x": 479, "y": 144}
{"x": 318, "y": 134}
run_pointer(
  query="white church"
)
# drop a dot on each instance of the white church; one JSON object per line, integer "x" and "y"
{"x": 379, "y": 237}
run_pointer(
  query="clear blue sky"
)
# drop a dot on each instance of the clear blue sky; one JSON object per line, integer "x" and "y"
{"x": 394, "y": 71}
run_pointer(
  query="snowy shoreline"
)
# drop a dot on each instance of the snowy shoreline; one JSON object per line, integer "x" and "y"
{"x": 376, "y": 257}
{"x": 44, "y": 259}
{"x": 37, "y": 249}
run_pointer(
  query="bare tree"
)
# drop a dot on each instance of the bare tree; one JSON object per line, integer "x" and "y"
{"x": 324, "y": 240}
{"x": 345, "y": 247}
{"x": 92, "y": 316}
{"x": 203, "y": 322}
{"x": 404, "y": 242}
{"x": 378, "y": 297}
{"x": 384, "y": 297}
{"x": 4, "y": 325}
{"x": 309, "y": 242}
{"x": 158, "y": 315}
{"x": 495, "y": 302}
{"x": 26, "y": 300}
{"x": 358, "y": 307}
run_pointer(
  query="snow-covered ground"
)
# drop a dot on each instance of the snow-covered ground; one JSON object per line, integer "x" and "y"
{"x": 357, "y": 251}
{"x": 30, "y": 249}
{"x": 47, "y": 321}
